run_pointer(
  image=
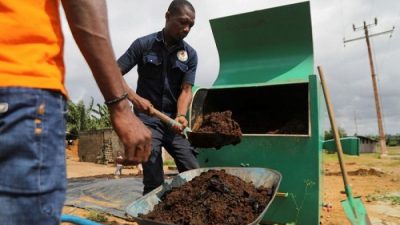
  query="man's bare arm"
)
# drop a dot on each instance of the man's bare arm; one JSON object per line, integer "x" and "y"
{"x": 89, "y": 25}
{"x": 184, "y": 100}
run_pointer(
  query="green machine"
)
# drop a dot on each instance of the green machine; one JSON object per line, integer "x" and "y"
{"x": 266, "y": 79}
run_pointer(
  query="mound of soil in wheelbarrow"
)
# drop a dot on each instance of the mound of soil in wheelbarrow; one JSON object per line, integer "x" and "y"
{"x": 215, "y": 130}
{"x": 214, "y": 198}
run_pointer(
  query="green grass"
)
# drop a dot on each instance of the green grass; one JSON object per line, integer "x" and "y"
{"x": 394, "y": 163}
{"x": 328, "y": 157}
{"x": 394, "y": 200}
{"x": 169, "y": 163}
{"x": 97, "y": 216}
{"x": 389, "y": 165}
{"x": 368, "y": 159}
{"x": 395, "y": 150}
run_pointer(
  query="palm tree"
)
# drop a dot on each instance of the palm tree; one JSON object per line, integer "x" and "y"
{"x": 82, "y": 118}
{"x": 102, "y": 115}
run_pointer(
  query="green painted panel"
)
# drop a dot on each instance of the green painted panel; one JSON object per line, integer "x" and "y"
{"x": 350, "y": 145}
{"x": 271, "y": 46}
{"x": 292, "y": 158}
{"x": 298, "y": 158}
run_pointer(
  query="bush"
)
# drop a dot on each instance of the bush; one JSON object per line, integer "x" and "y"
{"x": 97, "y": 217}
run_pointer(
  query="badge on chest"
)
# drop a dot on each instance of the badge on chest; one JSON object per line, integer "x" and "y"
{"x": 182, "y": 55}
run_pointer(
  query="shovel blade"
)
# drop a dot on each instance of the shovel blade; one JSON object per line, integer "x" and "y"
{"x": 355, "y": 211}
{"x": 211, "y": 140}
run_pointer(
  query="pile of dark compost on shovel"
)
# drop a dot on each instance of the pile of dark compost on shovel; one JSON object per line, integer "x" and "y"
{"x": 212, "y": 198}
{"x": 217, "y": 122}
{"x": 215, "y": 130}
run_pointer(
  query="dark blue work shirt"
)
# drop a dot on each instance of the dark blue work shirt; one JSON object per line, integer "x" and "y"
{"x": 161, "y": 72}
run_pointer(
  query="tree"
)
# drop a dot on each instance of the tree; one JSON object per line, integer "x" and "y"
{"x": 75, "y": 116}
{"x": 82, "y": 118}
{"x": 392, "y": 140}
{"x": 103, "y": 116}
{"x": 329, "y": 134}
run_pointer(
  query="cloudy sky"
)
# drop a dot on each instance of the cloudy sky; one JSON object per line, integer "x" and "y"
{"x": 346, "y": 68}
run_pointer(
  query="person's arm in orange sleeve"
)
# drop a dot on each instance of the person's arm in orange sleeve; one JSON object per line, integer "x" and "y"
{"x": 89, "y": 25}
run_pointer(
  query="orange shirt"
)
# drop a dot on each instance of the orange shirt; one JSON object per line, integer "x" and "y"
{"x": 31, "y": 45}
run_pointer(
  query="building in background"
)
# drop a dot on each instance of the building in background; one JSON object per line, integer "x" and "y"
{"x": 367, "y": 145}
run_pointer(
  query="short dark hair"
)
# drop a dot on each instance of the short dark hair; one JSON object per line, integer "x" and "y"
{"x": 177, "y": 4}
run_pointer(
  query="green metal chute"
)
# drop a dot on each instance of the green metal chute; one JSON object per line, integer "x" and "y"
{"x": 270, "y": 46}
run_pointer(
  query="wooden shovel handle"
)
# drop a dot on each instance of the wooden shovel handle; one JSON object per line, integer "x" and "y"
{"x": 164, "y": 118}
{"x": 333, "y": 125}
{"x": 168, "y": 120}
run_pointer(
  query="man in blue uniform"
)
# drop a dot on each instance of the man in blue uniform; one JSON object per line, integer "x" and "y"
{"x": 166, "y": 67}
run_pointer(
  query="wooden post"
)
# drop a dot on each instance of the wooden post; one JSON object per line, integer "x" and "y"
{"x": 382, "y": 139}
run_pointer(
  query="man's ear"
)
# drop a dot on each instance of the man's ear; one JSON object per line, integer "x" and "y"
{"x": 167, "y": 15}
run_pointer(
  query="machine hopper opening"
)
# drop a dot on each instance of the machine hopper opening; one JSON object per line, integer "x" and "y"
{"x": 263, "y": 110}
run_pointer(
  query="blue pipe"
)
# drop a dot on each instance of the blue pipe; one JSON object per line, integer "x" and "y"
{"x": 77, "y": 220}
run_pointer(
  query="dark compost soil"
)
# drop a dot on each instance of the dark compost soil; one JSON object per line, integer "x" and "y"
{"x": 212, "y": 198}
{"x": 215, "y": 130}
{"x": 218, "y": 122}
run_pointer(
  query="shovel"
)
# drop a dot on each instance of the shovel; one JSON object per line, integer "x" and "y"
{"x": 198, "y": 139}
{"x": 353, "y": 207}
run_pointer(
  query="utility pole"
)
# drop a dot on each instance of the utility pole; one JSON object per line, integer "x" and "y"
{"x": 382, "y": 140}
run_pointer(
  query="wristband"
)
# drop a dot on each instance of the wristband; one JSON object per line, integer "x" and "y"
{"x": 116, "y": 100}
{"x": 180, "y": 115}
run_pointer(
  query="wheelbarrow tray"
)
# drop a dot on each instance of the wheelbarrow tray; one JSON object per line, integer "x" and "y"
{"x": 259, "y": 176}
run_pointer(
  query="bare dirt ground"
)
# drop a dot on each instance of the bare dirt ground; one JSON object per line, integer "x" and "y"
{"x": 375, "y": 180}
{"x": 76, "y": 169}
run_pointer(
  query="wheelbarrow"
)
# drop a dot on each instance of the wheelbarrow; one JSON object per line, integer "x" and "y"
{"x": 258, "y": 176}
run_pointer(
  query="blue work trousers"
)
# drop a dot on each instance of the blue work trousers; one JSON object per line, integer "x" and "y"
{"x": 176, "y": 145}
